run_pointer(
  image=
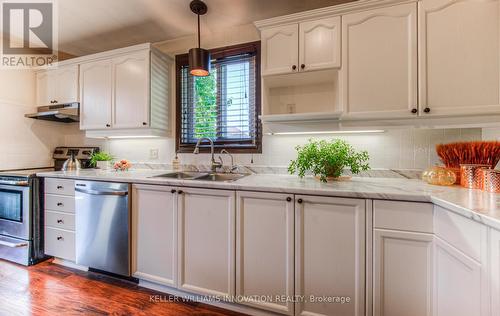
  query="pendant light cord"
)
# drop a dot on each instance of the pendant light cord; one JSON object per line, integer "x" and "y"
{"x": 199, "y": 40}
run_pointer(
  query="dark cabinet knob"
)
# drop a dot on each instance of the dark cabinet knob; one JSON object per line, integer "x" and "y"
{"x": 59, "y": 187}
{"x": 60, "y": 204}
{"x": 108, "y": 125}
{"x": 302, "y": 66}
{"x": 288, "y": 199}
{"x": 60, "y": 221}
{"x": 414, "y": 111}
{"x": 181, "y": 192}
{"x": 294, "y": 67}
{"x": 144, "y": 123}
{"x": 55, "y": 101}
{"x": 299, "y": 201}
{"x": 172, "y": 191}
{"x": 427, "y": 110}
{"x": 59, "y": 238}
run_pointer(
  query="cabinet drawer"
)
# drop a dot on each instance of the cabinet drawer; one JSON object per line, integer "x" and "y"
{"x": 60, "y": 243}
{"x": 60, "y": 203}
{"x": 408, "y": 216}
{"x": 59, "y": 186}
{"x": 460, "y": 232}
{"x": 60, "y": 220}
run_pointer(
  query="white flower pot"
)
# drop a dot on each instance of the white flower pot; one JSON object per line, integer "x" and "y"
{"x": 104, "y": 165}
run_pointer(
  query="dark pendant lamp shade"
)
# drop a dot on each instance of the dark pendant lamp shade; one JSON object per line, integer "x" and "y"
{"x": 199, "y": 58}
{"x": 199, "y": 62}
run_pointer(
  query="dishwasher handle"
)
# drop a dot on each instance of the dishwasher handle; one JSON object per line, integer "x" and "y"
{"x": 96, "y": 192}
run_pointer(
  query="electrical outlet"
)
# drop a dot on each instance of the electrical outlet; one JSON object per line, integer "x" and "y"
{"x": 153, "y": 153}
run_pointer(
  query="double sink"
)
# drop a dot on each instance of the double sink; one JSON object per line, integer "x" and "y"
{"x": 203, "y": 176}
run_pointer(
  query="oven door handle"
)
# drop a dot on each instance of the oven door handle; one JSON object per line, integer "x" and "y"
{"x": 95, "y": 192}
{"x": 13, "y": 245}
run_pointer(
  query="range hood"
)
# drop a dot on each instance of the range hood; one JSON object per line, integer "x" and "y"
{"x": 64, "y": 113}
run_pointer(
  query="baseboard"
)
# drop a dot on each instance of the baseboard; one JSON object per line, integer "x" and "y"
{"x": 69, "y": 264}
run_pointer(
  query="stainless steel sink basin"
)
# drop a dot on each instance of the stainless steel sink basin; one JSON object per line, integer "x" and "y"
{"x": 203, "y": 176}
{"x": 222, "y": 177}
{"x": 186, "y": 175}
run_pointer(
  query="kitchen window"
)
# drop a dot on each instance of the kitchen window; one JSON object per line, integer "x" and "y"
{"x": 224, "y": 106}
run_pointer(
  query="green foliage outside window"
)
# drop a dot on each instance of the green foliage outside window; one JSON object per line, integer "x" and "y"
{"x": 205, "y": 124}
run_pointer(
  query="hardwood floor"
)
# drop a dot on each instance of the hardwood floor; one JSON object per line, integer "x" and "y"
{"x": 50, "y": 289}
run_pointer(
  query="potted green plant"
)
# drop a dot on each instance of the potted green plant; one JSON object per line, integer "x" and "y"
{"x": 101, "y": 160}
{"x": 327, "y": 159}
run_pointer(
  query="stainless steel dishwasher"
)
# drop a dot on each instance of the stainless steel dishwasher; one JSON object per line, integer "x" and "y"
{"x": 103, "y": 226}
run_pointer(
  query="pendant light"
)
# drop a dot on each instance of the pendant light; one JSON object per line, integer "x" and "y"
{"x": 199, "y": 58}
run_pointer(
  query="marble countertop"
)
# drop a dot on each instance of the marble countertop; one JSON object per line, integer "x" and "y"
{"x": 480, "y": 206}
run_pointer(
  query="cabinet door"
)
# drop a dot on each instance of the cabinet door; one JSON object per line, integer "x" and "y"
{"x": 459, "y": 56}
{"x": 264, "y": 249}
{"x": 280, "y": 49}
{"x": 457, "y": 282}
{"x": 154, "y": 234}
{"x": 495, "y": 271}
{"x": 96, "y": 94}
{"x": 402, "y": 273}
{"x": 319, "y": 44}
{"x": 131, "y": 90}
{"x": 379, "y": 71}
{"x": 66, "y": 84}
{"x": 206, "y": 241}
{"x": 45, "y": 94}
{"x": 330, "y": 255}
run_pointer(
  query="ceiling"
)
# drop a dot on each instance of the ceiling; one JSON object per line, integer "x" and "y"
{"x": 92, "y": 26}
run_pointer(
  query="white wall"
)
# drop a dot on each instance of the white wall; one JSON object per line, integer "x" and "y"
{"x": 24, "y": 143}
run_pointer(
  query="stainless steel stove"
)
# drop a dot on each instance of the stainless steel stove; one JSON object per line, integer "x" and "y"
{"x": 21, "y": 219}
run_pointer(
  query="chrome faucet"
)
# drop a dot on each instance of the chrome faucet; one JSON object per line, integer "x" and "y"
{"x": 233, "y": 167}
{"x": 214, "y": 164}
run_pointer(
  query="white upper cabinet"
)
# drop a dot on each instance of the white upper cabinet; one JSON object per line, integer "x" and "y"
{"x": 379, "y": 70}
{"x": 264, "y": 249}
{"x": 96, "y": 94}
{"x": 131, "y": 90}
{"x": 459, "y": 56}
{"x": 330, "y": 254}
{"x": 57, "y": 86}
{"x": 310, "y": 45}
{"x": 319, "y": 44}
{"x": 280, "y": 49}
{"x": 154, "y": 234}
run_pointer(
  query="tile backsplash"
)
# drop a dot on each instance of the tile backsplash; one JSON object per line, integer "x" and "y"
{"x": 393, "y": 149}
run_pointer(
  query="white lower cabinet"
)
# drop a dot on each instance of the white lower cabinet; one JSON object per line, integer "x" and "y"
{"x": 264, "y": 250}
{"x": 206, "y": 232}
{"x": 154, "y": 231}
{"x": 330, "y": 255}
{"x": 495, "y": 271}
{"x": 402, "y": 266}
{"x": 457, "y": 282}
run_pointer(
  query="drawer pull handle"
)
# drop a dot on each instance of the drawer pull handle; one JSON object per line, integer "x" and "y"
{"x": 173, "y": 191}
{"x": 59, "y": 187}
{"x": 59, "y": 204}
{"x": 288, "y": 199}
{"x": 59, "y": 238}
{"x": 299, "y": 201}
{"x": 60, "y": 221}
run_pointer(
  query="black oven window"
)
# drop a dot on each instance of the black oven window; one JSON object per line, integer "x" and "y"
{"x": 11, "y": 205}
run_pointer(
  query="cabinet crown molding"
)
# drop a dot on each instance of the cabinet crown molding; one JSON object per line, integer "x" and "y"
{"x": 355, "y": 6}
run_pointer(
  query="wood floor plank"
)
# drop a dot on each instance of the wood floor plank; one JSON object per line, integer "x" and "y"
{"x": 50, "y": 289}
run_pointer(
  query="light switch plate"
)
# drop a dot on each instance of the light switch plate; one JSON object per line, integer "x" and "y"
{"x": 153, "y": 153}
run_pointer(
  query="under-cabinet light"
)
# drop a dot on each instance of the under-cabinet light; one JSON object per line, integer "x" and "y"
{"x": 329, "y": 132}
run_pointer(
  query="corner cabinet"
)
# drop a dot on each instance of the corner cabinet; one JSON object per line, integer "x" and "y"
{"x": 379, "y": 71}
{"x": 57, "y": 86}
{"x": 459, "y": 56}
{"x": 310, "y": 45}
{"x": 330, "y": 254}
{"x": 127, "y": 93}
